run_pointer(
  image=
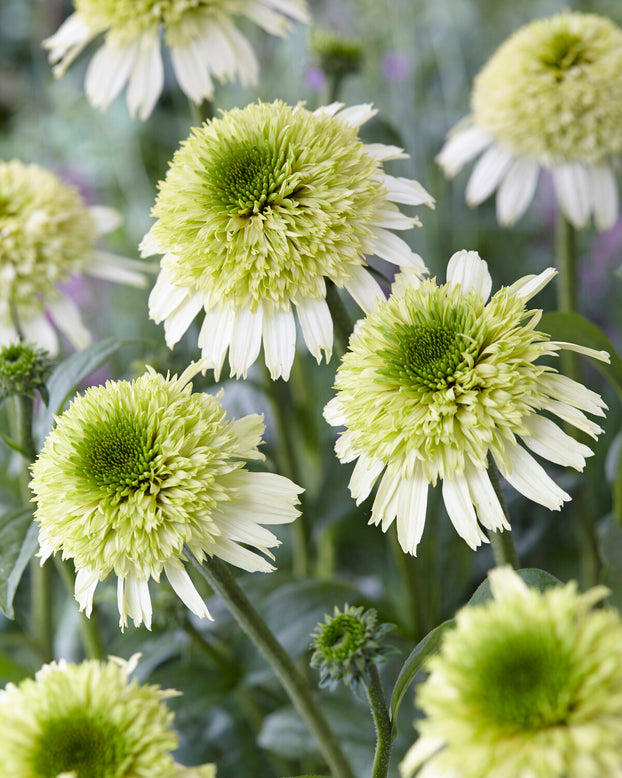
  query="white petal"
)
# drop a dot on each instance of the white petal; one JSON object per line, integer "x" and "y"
{"x": 356, "y": 115}
{"x": 215, "y": 337}
{"x": 39, "y": 330}
{"x": 405, "y": 279}
{"x": 530, "y": 479}
{"x": 547, "y": 440}
{"x": 245, "y": 340}
{"x": 317, "y": 326}
{"x": 86, "y": 583}
{"x": 572, "y": 392}
{"x": 133, "y": 600}
{"x": 364, "y": 475}
{"x": 383, "y": 153}
{"x": 120, "y": 270}
{"x": 186, "y": 591}
{"x": 279, "y": 342}
{"x": 384, "y": 509}
{"x": 297, "y": 9}
{"x": 487, "y": 506}
{"x": 464, "y": 143}
{"x": 559, "y": 345}
{"x": 192, "y": 71}
{"x": 108, "y": 72}
{"x": 248, "y": 430}
{"x": 245, "y": 62}
{"x": 412, "y": 500}
{"x": 487, "y": 174}
{"x": 66, "y": 316}
{"x": 405, "y": 190}
{"x": 269, "y": 20}
{"x": 566, "y": 412}
{"x": 344, "y": 447}
{"x": 394, "y": 249}
{"x": 516, "y": 191}
{"x": 529, "y": 286}
{"x": 364, "y": 288}
{"x": 148, "y": 245}
{"x": 459, "y": 505}
{"x": 267, "y": 498}
{"x": 392, "y": 218}
{"x": 469, "y": 270}
{"x": 604, "y": 195}
{"x": 67, "y": 42}
{"x": 243, "y": 558}
{"x": 106, "y": 219}
{"x": 178, "y": 321}
{"x": 572, "y": 189}
{"x": 165, "y": 296}
{"x": 333, "y": 413}
{"x": 504, "y": 581}
{"x": 147, "y": 76}
{"x": 424, "y": 748}
{"x": 330, "y": 109}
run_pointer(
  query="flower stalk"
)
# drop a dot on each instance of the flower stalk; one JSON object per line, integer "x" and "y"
{"x": 502, "y": 543}
{"x": 224, "y": 584}
{"x": 382, "y": 722}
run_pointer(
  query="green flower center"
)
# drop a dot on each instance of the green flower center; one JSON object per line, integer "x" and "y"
{"x": 342, "y": 637}
{"x": 428, "y": 356}
{"x": 247, "y": 178}
{"x": 522, "y": 681}
{"x": 131, "y": 17}
{"x": 120, "y": 456}
{"x": 82, "y": 742}
{"x": 566, "y": 50}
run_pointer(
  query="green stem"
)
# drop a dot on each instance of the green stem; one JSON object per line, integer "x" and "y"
{"x": 502, "y": 543}
{"x": 340, "y": 316}
{"x": 382, "y": 722}
{"x": 89, "y": 630}
{"x": 217, "y": 574}
{"x": 408, "y": 570}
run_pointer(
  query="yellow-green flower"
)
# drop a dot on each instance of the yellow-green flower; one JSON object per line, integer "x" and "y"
{"x": 439, "y": 378}
{"x": 201, "y": 35}
{"x": 89, "y": 720}
{"x": 527, "y": 684}
{"x": 260, "y": 210}
{"x": 549, "y": 98}
{"x": 46, "y": 235}
{"x": 134, "y": 471}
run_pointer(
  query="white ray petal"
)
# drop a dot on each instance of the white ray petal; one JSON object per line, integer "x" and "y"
{"x": 469, "y": 270}
{"x": 108, "y": 72}
{"x": 334, "y": 414}
{"x": 424, "y": 748}
{"x": 106, "y": 219}
{"x": 297, "y": 9}
{"x": 133, "y": 600}
{"x": 344, "y": 447}
{"x": 394, "y": 249}
{"x": 384, "y": 509}
{"x": 412, "y": 500}
{"x": 248, "y": 431}
{"x": 37, "y": 329}
{"x": 487, "y": 506}
{"x": 392, "y": 218}
{"x": 356, "y": 115}
{"x": 279, "y": 342}
{"x": 243, "y": 558}
{"x": 245, "y": 340}
{"x": 67, "y": 42}
{"x": 572, "y": 189}
{"x": 186, "y": 591}
{"x": 568, "y": 413}
{"x": 559, "y": 345}
{"x": 530, "y": 479}
{"x": 405, "y": 190}
{"x": 245, "y": 62}
{"x": 364, "y": 288}
{"x": 330, "y": 109}
{"x": 165, "y": 297}
{"x": 149, "y": 246}
{"x": 364, "y": 475}
{"x": 516, "y": 191}
{"x": 66, "y": 315}
{"x": 547, "y": 440}
{"x": 215, "y": 337}
{"x": 191, "y": 71}
{"x": 268, "y": 498}
{"x": 178, "y": 321}
{"x": 86, "y": 583}
{"x": 463, "y": 144}
{"x": 572, "y": 392}
{"x": 317, "y": 326}
{"x": 110, "y": 267}
{"x": 459, "y": 505}
{"x": 147, "y": 76}
{"x": 529, "y": 286}
{"x": 604, "y": 195}
{"x": 383, "y": 153}
{"x": 487, "y": 174}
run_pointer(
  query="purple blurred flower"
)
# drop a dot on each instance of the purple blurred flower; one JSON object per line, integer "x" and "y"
{"x": 315, "y": 79}
{"x": 396, "y": 65}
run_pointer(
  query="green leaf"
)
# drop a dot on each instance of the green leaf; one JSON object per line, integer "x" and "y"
{"x": 18, "y": 542}
{"x": 426, "y": 647}
{"x": 70, "y": 372}
{"x": 574, "y": 328}
{"x": 12, "y": 671}
{"x": 532, "y": 576}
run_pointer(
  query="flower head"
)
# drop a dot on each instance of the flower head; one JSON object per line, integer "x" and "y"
{"x": 202, "y": 38}
{"x": 46, "y": 235}
{"x": 550, "y": 97}
{"x": 24, "y": 369}
{"x": 135, "y": 471}
{"x": 439, "y": 378}
{"x": 529, "y": 683}
{"x": 346, "y": 644}
{"x": 260, "y": 210}
{"x": 89, "y": 720}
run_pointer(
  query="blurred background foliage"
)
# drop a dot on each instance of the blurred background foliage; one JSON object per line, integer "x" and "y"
{"x": 418, "y": 59}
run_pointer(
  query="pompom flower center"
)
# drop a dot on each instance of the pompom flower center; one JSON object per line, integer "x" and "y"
{"x": 248, "y": 178}
{"x": 119, "y": 457}
{"x": 342, "y": 637}
{"x": 137, "y": 14}
{"x": 82, "y": 742}
{"x": 565, "y": 51}
{"x": 521, "y": 682}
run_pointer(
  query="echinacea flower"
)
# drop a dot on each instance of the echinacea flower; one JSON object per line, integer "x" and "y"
{"x": 260, "y": 210}
{"x": 200, "y": 34}
{"x": 134, "y": 471}
{"x": 550, "y": 98}
{"x": 89, "y": 719}
{"x": 527, "y": 684}
{"x": 439, "y": 378}
{"x": 46, "y": 235}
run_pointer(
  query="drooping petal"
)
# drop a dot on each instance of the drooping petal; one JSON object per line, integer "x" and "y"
{"x": 108, "y": 72}
{"x": 133, "y": 600}
{"x": 604, "y": 195}
{"x": 364, "y": 288}
{"x": 364, "y": 475}
{"x": 516, "y": 191}
{"x": 487, "y": 174}
{"x": 547, "y": 440}
{"x": 317, "y": 326}
{"x": 66, "y": 316}
{"x": 412, "y": 500}
{"x": 215, "y": 337}
{"x": 459, "y": 505}
{"x": 147, "y": 76}
{"x": 86, "y": 583}
{"x": 185, "y": 590}
{"x": 530, "y": 479}
{"x": 279, "y": 342}
{"x": 464, "y": 143}
{"x": 573, "y": 192}
{"x": 245, "y": 340}
{"x": 487, "y": 506}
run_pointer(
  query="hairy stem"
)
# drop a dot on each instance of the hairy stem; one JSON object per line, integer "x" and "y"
{"x": 382, "y": 722}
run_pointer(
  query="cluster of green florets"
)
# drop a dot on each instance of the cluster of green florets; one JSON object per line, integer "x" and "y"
{"x": 553, "y": 90}
{"x": 24, "y": 369}
{"x": 346, "y": 644}
{"x": 46, "y": 233}
{"x": 129, "y": 18}
{"x": 265, "y": 203}
{"x": 338, "y": 56}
